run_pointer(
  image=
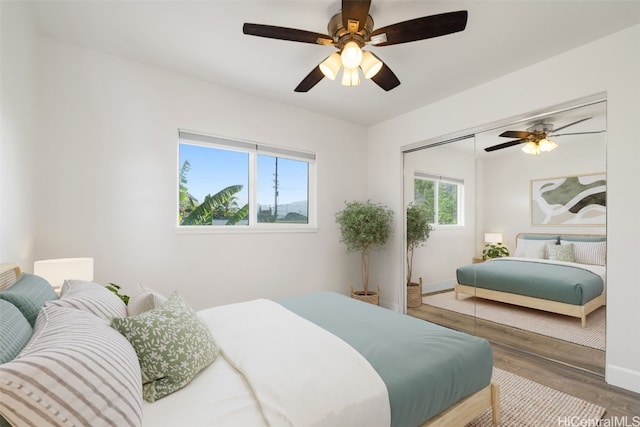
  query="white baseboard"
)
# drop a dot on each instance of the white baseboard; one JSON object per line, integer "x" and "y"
{"x": 623, "y": 377}
{"x": 438, "y": 286}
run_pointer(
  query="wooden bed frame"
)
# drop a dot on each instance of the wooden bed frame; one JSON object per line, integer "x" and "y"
{"x": 580, "y": 311}
{"x": 469, "y": 408}
{"x": 460, "y": 414}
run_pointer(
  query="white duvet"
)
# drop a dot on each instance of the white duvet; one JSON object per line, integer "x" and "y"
{"x": 276, "y": 369}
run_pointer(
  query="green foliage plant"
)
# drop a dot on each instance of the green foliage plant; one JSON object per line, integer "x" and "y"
{"x": 418, "y": 231}
{"x": 494, "y": 250}
{"x": 223, "y": 204}
{"x": 116, "y": 290}
{"x": 364, "y": 227}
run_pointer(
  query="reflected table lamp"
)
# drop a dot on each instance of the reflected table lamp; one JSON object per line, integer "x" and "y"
{"x": 56, "y": 271}
{"x": 493, "y": 238}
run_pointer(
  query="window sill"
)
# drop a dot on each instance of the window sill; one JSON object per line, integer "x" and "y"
{"x": 240, "y": 229}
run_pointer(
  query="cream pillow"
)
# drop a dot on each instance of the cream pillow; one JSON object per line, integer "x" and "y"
{"x": 146, "y": 299}
{"x": 532, "y": 248}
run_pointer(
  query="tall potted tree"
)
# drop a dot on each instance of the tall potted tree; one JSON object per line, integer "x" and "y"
{"x": 365, "y": 227}
{"x": 418, "y": 231}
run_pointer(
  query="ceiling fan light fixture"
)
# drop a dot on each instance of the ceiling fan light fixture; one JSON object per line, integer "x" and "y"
{"x": 351, "y": 55}
{"x": 547, "y": 145}
{"x": 531, "y": 148}
{"x": 350, "y": 77}
{"x": 331, "y": 66}
{"x": 370, "y": 64}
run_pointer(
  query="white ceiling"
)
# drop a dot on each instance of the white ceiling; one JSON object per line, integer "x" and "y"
{"x": 204, "y": 39}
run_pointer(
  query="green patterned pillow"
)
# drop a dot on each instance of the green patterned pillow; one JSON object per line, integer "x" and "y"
{"x": 561, "y": 252}
{"x": 172, "y": 343}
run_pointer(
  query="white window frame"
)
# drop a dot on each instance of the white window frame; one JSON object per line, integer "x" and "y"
{"x": 253, "y": 149}
{"x": 437, "y": 179}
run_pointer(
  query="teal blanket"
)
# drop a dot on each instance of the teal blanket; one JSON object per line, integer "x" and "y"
{"x": 555, "y": 282}
{"x": 426, "y": 367}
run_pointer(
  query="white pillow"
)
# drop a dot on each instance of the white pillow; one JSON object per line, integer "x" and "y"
{"x": 146, "y": 299}
{"x": 594, "y": 253}
{"x": 532, "y": 248}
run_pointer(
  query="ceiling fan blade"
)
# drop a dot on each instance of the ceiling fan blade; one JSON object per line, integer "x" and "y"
{"x": 516, "y": 134}
{"x": 385, "y": 78}
{"x": 570, "y": 124}
{"x": 579, "y": 133}
{"x": 283, "y": 33}
{"x": 355, "y": 10}
{"x": 420, "y": 28}
{"x": 312, "y": 79}
{"x": 505, "y": 145}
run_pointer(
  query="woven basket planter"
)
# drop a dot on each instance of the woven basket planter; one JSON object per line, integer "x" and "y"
{"x": 372, "y": 297}
{"x": 414, "y": 294}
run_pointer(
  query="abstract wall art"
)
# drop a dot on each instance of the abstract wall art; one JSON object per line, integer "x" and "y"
{"x": 571, "y": 200}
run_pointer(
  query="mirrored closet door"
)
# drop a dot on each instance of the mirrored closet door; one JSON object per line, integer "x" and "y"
{"x": 498, "y": 200}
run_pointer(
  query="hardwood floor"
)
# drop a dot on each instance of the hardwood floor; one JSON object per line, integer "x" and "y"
{"x": 570, "y": 368}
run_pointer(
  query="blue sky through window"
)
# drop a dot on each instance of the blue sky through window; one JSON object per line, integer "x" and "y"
{"x": 213, "y": 169}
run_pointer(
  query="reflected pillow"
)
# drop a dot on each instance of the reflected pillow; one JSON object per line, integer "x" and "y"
{"x": 561, "y": 252}
{"x": 594, "y": 253}
{"x": 532, "y": 248}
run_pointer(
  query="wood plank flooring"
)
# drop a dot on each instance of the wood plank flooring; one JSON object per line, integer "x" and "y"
{"x": 570, "y": 368}
{"x": 575, "y": 355}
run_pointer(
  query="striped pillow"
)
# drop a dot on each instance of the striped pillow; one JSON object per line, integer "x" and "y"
{"x": 15, "y": 331}
{"x": 29, "y": 294}
{"x": 594, "y": 253}
{"x": 76, "y": 370}
{"x": 91, "y": 297}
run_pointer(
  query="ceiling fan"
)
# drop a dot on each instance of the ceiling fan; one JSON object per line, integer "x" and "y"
{"x": 349, "y": 31}
{"x": 537, "y": 137}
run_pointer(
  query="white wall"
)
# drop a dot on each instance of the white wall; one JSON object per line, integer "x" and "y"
{"x": 18, "y": 134}
{"x": 108, "y": 181}
{"x": 610, "y": 65}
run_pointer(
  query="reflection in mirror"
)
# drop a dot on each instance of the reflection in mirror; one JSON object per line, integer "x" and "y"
{"x": 441, "y": 179}
{"x": 503, "y": 200}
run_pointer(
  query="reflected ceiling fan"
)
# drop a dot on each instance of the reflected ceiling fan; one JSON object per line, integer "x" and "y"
{"x": 537, "y": 137}
{"x": 349, "y": 31}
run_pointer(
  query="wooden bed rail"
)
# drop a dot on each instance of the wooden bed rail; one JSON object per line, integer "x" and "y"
{"x": 469, "y": 408}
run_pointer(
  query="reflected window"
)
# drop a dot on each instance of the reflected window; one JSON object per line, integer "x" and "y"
{"x": 441, "y": 197}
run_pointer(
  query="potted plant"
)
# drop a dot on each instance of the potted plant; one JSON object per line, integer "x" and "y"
{"x": 418, "y": 230}
{"x": 364, "y": 227}
{"x": 494, "y": 250}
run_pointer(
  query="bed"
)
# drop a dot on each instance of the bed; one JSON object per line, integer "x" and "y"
{"x": 559, "y": 273}
{"x": 319, "y": 360}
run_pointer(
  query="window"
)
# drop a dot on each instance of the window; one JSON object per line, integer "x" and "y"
{"x": 441, "y": 196}
{"x": 226, "y": 183}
